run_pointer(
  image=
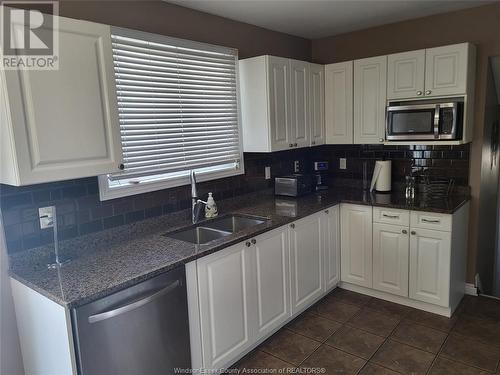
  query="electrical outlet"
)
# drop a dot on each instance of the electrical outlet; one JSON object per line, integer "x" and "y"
{"x": 343, "y": 163}
{"x": 267, "y": 171}
{"x": 47, "y": 216}
{"x": 296, "y": 166}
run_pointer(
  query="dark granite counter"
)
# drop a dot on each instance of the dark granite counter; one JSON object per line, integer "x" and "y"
{"x": 109, "y": 261}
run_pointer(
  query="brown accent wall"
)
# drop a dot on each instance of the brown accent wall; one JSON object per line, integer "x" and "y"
{"x": 477, "y": 25}
{"x": 176, "y": 21}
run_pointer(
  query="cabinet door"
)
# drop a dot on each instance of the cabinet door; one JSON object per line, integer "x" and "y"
{"x": 332, "y": 247}
{"x": 65, "y": 121}
{"x": 300, "y": 127}
{"x": 224, "y": 284}
{"x": 446, "y": 70}
{"x": 279, "y": 103}
{"x": 406, "y": 74}
{"x": 306, "y": 245}
{"x": 390, "y": 258}
{"x": 339, "y": 103}
{"x": 356, "y": 244}
{"x": 430, "y": 266}
{"x": 370, "y": 89}
{"x": 317, "y": 104}
{"x": 271, "y": 256}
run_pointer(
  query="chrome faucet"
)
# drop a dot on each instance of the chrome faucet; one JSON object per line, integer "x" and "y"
{"x": 196, "y": 204}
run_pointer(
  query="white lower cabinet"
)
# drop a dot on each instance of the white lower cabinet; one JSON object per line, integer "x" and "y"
{"x": 356, "y": 244}
{"x": 272, "y": 277}
{"x": 225, "y": 288}
{"x": 332, "y": 247}
{"x": 241, "y": 295}
{"x": 390, "y": 258}
{"x": 306, "y": 246}
{"x": 430, "y": 253}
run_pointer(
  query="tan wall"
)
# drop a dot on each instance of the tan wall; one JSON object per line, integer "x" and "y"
{"x": 480, "y": 26}
{"x": 172, "y": 20}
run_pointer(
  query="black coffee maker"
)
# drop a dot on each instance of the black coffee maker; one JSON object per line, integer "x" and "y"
{"x": 320, "y": 175}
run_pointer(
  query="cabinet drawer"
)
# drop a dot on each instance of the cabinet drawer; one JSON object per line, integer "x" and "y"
{"x": 391, "y": 216}
{"x": 430, "y": 220}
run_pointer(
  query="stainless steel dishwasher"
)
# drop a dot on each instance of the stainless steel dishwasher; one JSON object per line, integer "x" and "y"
{"x": 140, "y": 330}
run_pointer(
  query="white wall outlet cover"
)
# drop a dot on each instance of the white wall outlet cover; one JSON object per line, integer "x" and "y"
{"x": 343, "y": 163}
{"x": 46, "y": 215}
{"x": 267, "y": 171}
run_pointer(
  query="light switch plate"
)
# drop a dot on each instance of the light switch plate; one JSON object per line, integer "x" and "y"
{"x": 267, "y": 171}
{"x": 343, "y": 163}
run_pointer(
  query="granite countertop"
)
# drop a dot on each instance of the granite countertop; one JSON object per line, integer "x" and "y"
{"x": 105, "y": 262}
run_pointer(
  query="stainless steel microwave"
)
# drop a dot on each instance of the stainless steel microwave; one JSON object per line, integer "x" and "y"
{"x": 429, "y": 120}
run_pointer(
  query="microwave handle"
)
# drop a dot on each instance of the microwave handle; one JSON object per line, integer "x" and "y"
{"x": 436, "y": 121}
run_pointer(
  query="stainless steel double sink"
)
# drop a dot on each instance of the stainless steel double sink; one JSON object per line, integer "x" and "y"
{"x": 213, "y": 229}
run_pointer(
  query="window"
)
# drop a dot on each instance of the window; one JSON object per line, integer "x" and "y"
{"x": 178, "y": 111}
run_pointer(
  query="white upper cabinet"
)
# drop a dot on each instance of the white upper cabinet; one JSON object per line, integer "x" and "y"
{"x": 406, "y": 74}
{"x": 356, "y": 244}
{"x": 317, "y": 104}
{"x": 447, "y": 68}
{"x": 339, "y": 97}
{"x": 62, "y": 124}
{"x": 300, "y": 126}
{"x": 282, "y": 105}
{"x": 280, "y": 115}
{"x": 370, "y": 89}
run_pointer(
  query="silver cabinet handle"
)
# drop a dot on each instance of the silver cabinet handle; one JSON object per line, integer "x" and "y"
{"x": 254, "y": 241}
{"x": 391, "y": 216}
{"x": 431, "y": 221}
{"x": 292, "y": 225}
{"x": 428, "y": 92}
{"x": 313, "y": 142}
{"x": 295, "y": 145}
{"x": 248, "y": 244}
{"x": 134, "y": 305}
{"x": 381, "y": 139}
{"x": 290, "y": 145}
{"x": 121, "y": 166}
{"x": 404, "y": 231}
{"x": 419, "y": 93}
{"x": 413, "y": 232}
{"x": 327, "y": 212}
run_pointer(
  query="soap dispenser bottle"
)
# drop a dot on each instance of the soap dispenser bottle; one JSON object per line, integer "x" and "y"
{"x": 210, "y": 207}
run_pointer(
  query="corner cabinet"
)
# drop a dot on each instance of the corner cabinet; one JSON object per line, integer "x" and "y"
{"x": 62, "y": 124}
{"x": 370, "y": 90}
{"x": 241, "y": 295}
{"x": 282, "y": 103}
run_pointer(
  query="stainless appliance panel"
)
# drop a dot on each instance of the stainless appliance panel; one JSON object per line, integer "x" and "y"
{"x": 140, "y": 330}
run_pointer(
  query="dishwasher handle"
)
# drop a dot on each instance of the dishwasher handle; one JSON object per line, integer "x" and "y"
{"x": 134, "y": 305}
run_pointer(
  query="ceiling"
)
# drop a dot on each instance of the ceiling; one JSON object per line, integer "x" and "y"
{"x": 319, "y": 18}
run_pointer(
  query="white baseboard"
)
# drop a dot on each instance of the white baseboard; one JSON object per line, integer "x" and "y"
{"x": 470, "y": 289}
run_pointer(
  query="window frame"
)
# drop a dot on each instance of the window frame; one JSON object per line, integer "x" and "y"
{"x": 106, "y": 192}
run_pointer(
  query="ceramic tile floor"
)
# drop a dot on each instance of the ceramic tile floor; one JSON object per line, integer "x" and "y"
{"x": 350, "y": 333}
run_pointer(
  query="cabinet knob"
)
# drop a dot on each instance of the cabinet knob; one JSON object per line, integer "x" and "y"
{"x": 413, "y": 232}
{"x": 295, "y": 145}
{"x": 327, "y": 212}
{"x": 290, "y": 145}
{"x": 313, "y": 142}
{"x": 381, "y": 139}
{"x": 121, "y": 166}
{"x": 254, "y": 241}
{"x": 404, "y": 231}
{"x": 428, "y": 92}
{"x": 419, "y": 93}
{"x": 248, "y": 244}
{"x": 292, "y": 225}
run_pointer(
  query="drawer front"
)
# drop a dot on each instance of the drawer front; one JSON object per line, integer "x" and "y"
{"x": 430, "y": 220}
{"x": 391, "y": 216}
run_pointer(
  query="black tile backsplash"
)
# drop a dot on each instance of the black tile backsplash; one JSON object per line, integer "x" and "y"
{"x": 79, "y": 210}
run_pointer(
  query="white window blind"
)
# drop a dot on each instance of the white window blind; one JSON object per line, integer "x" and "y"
{"x": 178, "y": 106}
